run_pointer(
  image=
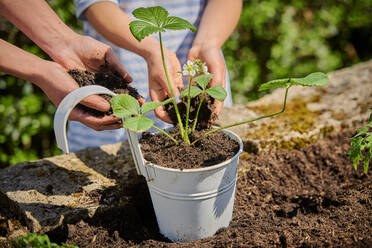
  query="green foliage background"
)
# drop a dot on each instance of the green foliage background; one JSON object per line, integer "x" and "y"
{"x": 274, "y": 39}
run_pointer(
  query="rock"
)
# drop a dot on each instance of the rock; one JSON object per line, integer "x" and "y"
{"x": 61, "y": 189}
{"x": 312, "y": 112}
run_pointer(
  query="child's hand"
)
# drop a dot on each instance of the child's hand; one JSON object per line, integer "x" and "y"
{"x": 213, "y": 59}
{"x": 158, "y": 84}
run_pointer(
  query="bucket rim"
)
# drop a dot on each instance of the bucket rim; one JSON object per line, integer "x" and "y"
{"x": 208, "y": 168}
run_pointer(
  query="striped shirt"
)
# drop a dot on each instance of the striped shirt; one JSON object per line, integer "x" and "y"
{"x": 180, "y": 41}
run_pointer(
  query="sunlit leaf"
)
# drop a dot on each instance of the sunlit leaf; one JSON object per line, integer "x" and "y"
{"x": 156, "y": 15}
{"x": 277, "y": 83}
{"x": 313, "y": 79}
{"x": 138, "y": 123}
{"x": 217, "y": 92}
{"x": 176, "y": 23}
{"x": 141, "y": 29}
{"x": 203, "y": 80}
{"x": 149, "y": 106}
{"x": 194, "y": 91}
{"x": 125, "y": 106}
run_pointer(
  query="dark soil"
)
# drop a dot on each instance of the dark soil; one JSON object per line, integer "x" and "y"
{"x": 115, "y": 83}
{"x": 310, "y": 197}
{"x": 206, "y": 114}
{"x": 213, "y": 149}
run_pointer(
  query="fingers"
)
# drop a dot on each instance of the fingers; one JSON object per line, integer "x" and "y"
{"x": 162, "y": 115}
{"x": 97, "y": 123}
{"x": 96, "y": 102}
{"x": 114, "y": 64}
{"x": 158, "y": 95}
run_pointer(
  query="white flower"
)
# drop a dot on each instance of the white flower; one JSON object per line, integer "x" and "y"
{"x": 205, "y": 69}
{"x": 189, "y": 69}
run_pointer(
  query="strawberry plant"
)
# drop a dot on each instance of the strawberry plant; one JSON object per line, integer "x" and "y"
{"x": 157, "y": 20}
{"x": 361, "y": 146}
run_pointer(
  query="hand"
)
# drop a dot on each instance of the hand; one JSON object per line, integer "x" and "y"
{"x": 85, "y": 53}
{"x": 158, "y": 84}
{"x": 213, "y": 59}
{"x": 57, "y": 84}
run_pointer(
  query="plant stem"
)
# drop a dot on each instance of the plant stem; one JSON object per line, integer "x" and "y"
{"x": 164, "y": 132}
{"x": 184, "y": 137}
{"x": 248, "y": 121}
{"x": 197, "y": 111}
{"x": 188, "y": 111}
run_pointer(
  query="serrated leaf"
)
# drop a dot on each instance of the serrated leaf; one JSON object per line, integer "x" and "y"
{"x": 194, "y": 91}
{"x": 141, "y": 29}
{"x": 149, "y": 106}
{"x": 355, "y": 153}
{"x": 313, "y": 79}
{"x": 217, "y": 92}
{"x": 125, "y": 106}
{"x": 177, "y": 23}
{"x": 138, "y": 123}
{"x": 155, "y": 15}
{"x": 361, "y": 131}
{"x": 367, "y": 159}
{"x": 203, "y": 80}
{"x": 277, "y": 83}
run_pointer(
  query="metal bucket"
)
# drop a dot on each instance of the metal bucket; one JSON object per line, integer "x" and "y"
{"x": 189, "y": 204}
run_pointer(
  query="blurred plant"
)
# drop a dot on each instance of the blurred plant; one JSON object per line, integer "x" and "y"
{"x": 276, "y": 39}
{"x": 361, "y": 146}
{"x": 26, "y": 114}
{"x": 37, "y": 241}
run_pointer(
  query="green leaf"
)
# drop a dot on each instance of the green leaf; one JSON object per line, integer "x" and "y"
{"x": 194, "y": 91}
{"x": 355, "y": 153}
{"x": 138, "y": 123}
{"x": 217, "y": 92}
{"x": 125, "y": 106}
{"x": 277, "y": 83}
{"x": 203, "y": 80}
{"x": 367, "y": 159}
{"x": 155, "y": 15}
{"x": 176, "y": 23}
{"x": 313, "y": 79}
{"x": 141, "y": 29}
{"x": 149, "y": 106}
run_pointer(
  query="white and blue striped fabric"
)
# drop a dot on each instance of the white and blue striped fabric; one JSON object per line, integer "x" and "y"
{"x": 80, "y": 136}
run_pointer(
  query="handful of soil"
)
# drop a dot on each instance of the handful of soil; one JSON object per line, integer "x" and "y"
{"x": 114, "y": 82}
{"x": 206, "y": 114}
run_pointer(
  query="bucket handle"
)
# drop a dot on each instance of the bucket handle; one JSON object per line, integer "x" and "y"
{"x": 67, "y": 105}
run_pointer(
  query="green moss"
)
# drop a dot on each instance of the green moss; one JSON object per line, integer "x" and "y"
{"x": 297, "y": 117}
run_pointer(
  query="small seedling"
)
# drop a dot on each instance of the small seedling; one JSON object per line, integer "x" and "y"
{"x": 361, "y": 146}
{"x": 156, "y": 20}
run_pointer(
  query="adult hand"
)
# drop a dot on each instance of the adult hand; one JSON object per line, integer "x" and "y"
{"x": 158, "y": 84}
{"x": 85, "y": 53}
{"x": 213, "y": 59}
{"x": 57, "y": 84}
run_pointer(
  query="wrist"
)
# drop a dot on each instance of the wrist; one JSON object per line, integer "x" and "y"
{"x": 148, "y": 47}
{"x": 58, "y": 43}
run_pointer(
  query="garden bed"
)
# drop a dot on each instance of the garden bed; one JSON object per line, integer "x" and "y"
{"x": 310, "y": 197}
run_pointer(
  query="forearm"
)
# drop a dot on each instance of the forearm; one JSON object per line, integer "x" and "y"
{"x": 16, "y": 62}
{"x": 39, "y": 22}
{"x": 219, "y": 19}
{"x": 111, "y": 22}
